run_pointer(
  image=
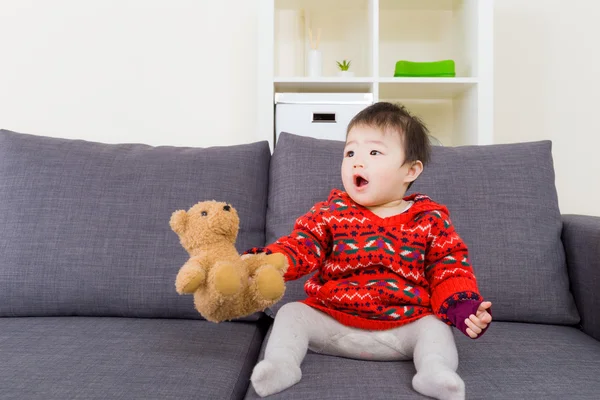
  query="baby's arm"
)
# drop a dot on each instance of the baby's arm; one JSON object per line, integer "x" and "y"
{"x": 455, "y": 297}
{"x": 306, "y": 247}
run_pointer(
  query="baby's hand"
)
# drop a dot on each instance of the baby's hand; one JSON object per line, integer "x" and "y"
{"x": 477, "y": 323}
{"x": 248, "y": 255}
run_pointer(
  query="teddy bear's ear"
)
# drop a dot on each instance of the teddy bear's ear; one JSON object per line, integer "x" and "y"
{"x": 178, "y": 221}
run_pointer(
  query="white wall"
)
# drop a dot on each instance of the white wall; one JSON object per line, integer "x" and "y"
{"x": 183, "y": 73}
{"x": 547, "y": 87}
{"x": 178, "y": 72}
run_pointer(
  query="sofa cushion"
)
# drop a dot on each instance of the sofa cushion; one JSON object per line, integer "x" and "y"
{"x": 84, "y": 227}
{"x": 126, "y": 358}
{"x": 501, "y": 198}
{"x": 511, "y": 361}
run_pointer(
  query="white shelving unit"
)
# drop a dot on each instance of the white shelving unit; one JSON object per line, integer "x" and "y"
{"x": 374, "y": 34}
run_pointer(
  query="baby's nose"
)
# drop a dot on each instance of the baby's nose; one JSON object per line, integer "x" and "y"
{"x": 358, "y": 165}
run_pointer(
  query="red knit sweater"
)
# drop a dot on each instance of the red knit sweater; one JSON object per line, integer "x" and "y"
{"x": 378, "y": 273}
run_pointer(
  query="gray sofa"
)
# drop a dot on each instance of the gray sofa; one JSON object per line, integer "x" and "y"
{"x": 88, "y": 308}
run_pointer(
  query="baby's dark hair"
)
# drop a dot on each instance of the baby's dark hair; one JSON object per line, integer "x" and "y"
{"x": 396, "y": 118}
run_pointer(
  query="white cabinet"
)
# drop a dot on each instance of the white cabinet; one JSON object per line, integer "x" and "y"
{"x": 318, "y": 115}
{"x": 374, "y": 34}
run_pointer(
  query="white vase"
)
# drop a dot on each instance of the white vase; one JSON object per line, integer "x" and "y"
{"x": 314, "y": 63}
{"x": 345, "y": 74}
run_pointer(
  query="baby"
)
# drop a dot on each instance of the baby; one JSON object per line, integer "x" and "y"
{"x": 392, "y": 275}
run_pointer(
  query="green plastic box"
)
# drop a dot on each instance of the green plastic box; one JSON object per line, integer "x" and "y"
{"x": 444, "y": 68}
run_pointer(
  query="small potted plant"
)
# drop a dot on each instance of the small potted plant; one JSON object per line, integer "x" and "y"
{"x": 343, "y": 69}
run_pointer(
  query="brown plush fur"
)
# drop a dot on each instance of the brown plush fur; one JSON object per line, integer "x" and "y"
{"x": 225, "y": 285}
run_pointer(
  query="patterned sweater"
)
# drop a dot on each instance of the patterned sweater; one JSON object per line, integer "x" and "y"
{"x": 379, "y": 273}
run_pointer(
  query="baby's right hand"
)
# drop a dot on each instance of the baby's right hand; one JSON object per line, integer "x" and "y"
{"x": 277, "y": 260}
{"x": 248, "y": 255}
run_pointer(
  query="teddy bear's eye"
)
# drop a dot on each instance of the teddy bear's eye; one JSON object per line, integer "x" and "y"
{"x": 204, "y": 213}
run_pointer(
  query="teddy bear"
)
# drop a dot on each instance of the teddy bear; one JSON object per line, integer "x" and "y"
{"x": 225, "y": 285}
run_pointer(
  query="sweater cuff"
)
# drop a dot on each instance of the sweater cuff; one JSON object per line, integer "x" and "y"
{"x": 270, "y": 249}
{"x": 258, "y": 250}
{"x": 450, "y": 292}
{"x": 461, "y": 310}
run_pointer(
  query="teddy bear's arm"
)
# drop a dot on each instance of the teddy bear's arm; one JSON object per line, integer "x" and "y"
{"x": 178, "y": 221}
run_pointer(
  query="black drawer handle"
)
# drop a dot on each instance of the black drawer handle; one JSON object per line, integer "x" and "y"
{"x": 324, "y": 117}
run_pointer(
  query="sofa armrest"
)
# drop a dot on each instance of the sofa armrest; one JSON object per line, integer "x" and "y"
{"x": 581, "y": 238}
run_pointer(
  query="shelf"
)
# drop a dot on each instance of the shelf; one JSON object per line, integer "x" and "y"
{"x": 424, "y": 88}
{"x": 430, "y": 30}
{"x": 420, "y": 4}
{"x": 375, "y": 34}
{"x": 328, "y": 5}
{"x": 389, "y": 88}
{"x": 345, "y": 35}
{"x": 323, "y": 85}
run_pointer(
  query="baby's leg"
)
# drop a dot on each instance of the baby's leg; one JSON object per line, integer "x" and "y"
{"x": 436, "y": 360}
{"x": 387, "y": 345}
{"x": 296, "y": 324}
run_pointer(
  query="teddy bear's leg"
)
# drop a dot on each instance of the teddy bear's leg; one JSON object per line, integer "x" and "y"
{"x": 269, "y": 283}
{"x": 296, "y": 327}
{"x": 277, "y": 260}
{"x": 226, "y": 278}
{"x": 190, "y": 276}
{"x": 436, "y": 360}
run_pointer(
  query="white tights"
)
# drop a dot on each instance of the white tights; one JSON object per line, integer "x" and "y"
{"x": 298, "y": 327}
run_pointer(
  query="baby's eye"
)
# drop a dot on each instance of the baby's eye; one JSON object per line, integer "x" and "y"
{"x": 350, "y": 153}
{"x": 375, "y": 152}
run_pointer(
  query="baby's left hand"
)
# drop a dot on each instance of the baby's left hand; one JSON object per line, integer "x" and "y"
{"x": 478, "y": 322}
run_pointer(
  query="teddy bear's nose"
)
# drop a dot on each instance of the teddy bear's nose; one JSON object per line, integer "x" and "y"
{"x": 226, "y": 208}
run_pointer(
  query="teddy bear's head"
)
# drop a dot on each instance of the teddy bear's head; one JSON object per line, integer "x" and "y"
{"x": 206, "y": 223}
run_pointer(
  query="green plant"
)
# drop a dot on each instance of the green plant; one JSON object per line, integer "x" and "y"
{"x": 344, "y": 65}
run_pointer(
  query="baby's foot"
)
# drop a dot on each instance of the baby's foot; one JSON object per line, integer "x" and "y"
{"x": 442, "y": 384}
{"x": 271, "y": 377}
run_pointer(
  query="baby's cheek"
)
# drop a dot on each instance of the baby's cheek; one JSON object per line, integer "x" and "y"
{"x": 347, "y": 182}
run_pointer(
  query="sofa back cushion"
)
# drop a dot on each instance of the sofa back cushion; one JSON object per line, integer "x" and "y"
{"x": 84, "y": 227}
{"x": 502, "y": 201}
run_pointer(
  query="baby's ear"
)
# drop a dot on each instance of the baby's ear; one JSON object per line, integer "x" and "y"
{"x": 178, "y": 221}
{"x": 414, "y": 171}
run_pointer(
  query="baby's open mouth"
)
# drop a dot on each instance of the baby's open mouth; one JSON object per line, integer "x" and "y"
{"x": 359, "y": 181}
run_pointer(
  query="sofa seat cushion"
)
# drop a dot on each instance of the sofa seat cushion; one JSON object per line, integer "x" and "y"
{"x": 124, "y": 358}
{"x": 511, "y": 361}
{"x": 502, "y": 201}
{"x": 84, "y": 226}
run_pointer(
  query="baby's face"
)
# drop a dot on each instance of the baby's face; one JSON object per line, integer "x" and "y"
{"x": 372, "y": 171}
